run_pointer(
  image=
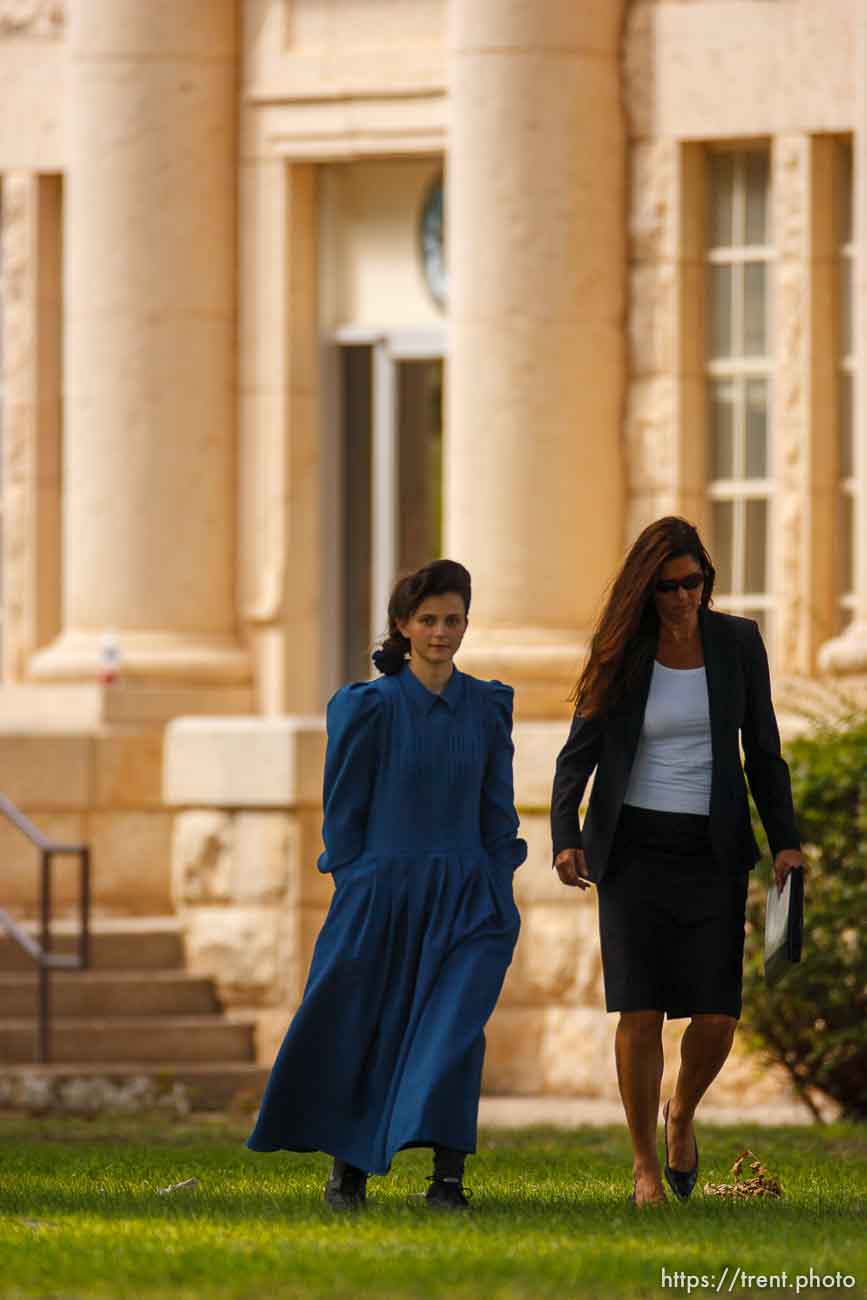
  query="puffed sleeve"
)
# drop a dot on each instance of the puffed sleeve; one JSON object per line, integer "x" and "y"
{"x": 354, "y": 722}
{"x": 499, "y": 818}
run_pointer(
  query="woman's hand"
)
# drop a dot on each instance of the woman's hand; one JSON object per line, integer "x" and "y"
{"x": 571, "y": 867}
{"x": 786, "y": 860}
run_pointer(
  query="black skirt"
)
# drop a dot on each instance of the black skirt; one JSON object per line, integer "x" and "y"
{"x": 671, "y": 919}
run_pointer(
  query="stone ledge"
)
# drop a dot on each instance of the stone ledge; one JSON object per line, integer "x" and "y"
{"x": 130, "y": 1088}
{"x": 567, "y": 1052}
{"x": 51, "y": 708}
{"x": 255, "y": 762}
{"x": 244, "y": 762}
{"x": 581, "y": 1112}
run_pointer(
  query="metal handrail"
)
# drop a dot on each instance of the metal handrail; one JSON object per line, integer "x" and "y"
{"x": 46, "y": 960}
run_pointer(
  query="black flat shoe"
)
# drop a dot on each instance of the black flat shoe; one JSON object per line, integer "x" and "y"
{"x": 346, "y": 1188}
{"x": 681, "y": 1181}
{"x": 446, "y": 1194}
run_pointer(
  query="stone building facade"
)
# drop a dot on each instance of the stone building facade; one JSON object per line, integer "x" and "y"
{"x": 247, "y": 377}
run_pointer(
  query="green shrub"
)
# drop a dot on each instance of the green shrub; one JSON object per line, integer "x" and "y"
{"x": 814, "y": 1022}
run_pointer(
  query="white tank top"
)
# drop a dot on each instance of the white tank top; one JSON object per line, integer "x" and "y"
{"x": 674, "y": 760}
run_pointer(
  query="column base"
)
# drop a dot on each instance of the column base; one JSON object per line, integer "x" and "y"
{"x": 155, "y": 659}
{"x": 846, "y": 655}
{"x": 541, "y": 664}
{"x": 50, "y": 707}
{"x": 804, "y": 704}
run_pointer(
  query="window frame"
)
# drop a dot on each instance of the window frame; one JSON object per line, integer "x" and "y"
{"x": 738, "y": 369}
{"x": 388, "y": 349}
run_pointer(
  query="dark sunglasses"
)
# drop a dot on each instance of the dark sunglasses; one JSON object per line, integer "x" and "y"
{"x": 668, "y": 585}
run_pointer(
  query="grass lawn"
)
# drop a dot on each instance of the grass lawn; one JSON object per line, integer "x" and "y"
{"x": 80, "y": 1216}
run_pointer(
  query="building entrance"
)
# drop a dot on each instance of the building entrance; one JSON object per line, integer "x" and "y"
{"x": 392, "y": 436}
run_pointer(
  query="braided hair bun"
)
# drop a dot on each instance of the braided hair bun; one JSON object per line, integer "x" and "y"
{"x": 391, "y": 655}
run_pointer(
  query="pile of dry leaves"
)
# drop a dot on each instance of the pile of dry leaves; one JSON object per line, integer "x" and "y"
{"x": 760, "y": 1184}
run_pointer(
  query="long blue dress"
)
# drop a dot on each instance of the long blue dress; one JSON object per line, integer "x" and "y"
{"x": 420, "y": 832}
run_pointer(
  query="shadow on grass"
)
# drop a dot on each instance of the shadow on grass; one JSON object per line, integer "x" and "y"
{"x": 597, "y": 1208}
{"x": 539, "y": 1177}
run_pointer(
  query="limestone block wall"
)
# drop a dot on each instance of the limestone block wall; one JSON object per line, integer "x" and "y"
{"x": 31, "y": 70}
{"x": 694, "y": 81}
{"x": 102, "y": 788}
{"x": 247, "y": 800}
{"x": 245, "y": 886}
{"x": 650, "y": 423}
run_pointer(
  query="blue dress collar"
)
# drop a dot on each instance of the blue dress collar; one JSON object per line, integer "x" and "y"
{"x": 425, "y": 699}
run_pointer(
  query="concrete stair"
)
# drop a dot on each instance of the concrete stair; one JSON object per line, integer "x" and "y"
{"x": 136, "y": 1012}
{"x": 128, "y": 943}
{"x": 167, "y": 1038}
{"x": 110, "y": 993}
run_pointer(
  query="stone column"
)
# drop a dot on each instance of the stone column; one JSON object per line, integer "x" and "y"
{"x": 30, "y": 208}
{"x": 807, "y": 470}
{"x": 280, "y": 549}
{"x": 536, "y": 211}
{"x": 846, "y": 655}
{"x": 150, "y": 260}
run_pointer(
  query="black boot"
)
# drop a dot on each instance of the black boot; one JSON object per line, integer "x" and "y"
{"x": 346, "y": 1188}
{"x": 446, "y": 1191}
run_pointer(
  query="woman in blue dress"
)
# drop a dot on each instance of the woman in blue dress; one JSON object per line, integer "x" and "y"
{"x": 420, "y": 833}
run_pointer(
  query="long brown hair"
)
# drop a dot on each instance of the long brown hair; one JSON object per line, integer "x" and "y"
{"x": 624, "y": 640}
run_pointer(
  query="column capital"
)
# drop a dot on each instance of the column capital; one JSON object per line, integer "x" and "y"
{"x": 503, "y": 26}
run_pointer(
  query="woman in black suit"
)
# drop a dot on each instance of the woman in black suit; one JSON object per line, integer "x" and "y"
{"x": 669, "y": 689}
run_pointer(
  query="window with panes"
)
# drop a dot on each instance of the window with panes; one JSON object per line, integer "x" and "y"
{"x": 739, "y": 376}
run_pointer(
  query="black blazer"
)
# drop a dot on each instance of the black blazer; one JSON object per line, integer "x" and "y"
{"x": 739, "y": 697}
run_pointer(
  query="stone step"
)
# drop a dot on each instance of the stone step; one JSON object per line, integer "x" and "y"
{"x": 125, "y": 943}
{"x": 181, "y": 1039}
{"x": 110, "y": 993}
{"x": 209, "y": 1086}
